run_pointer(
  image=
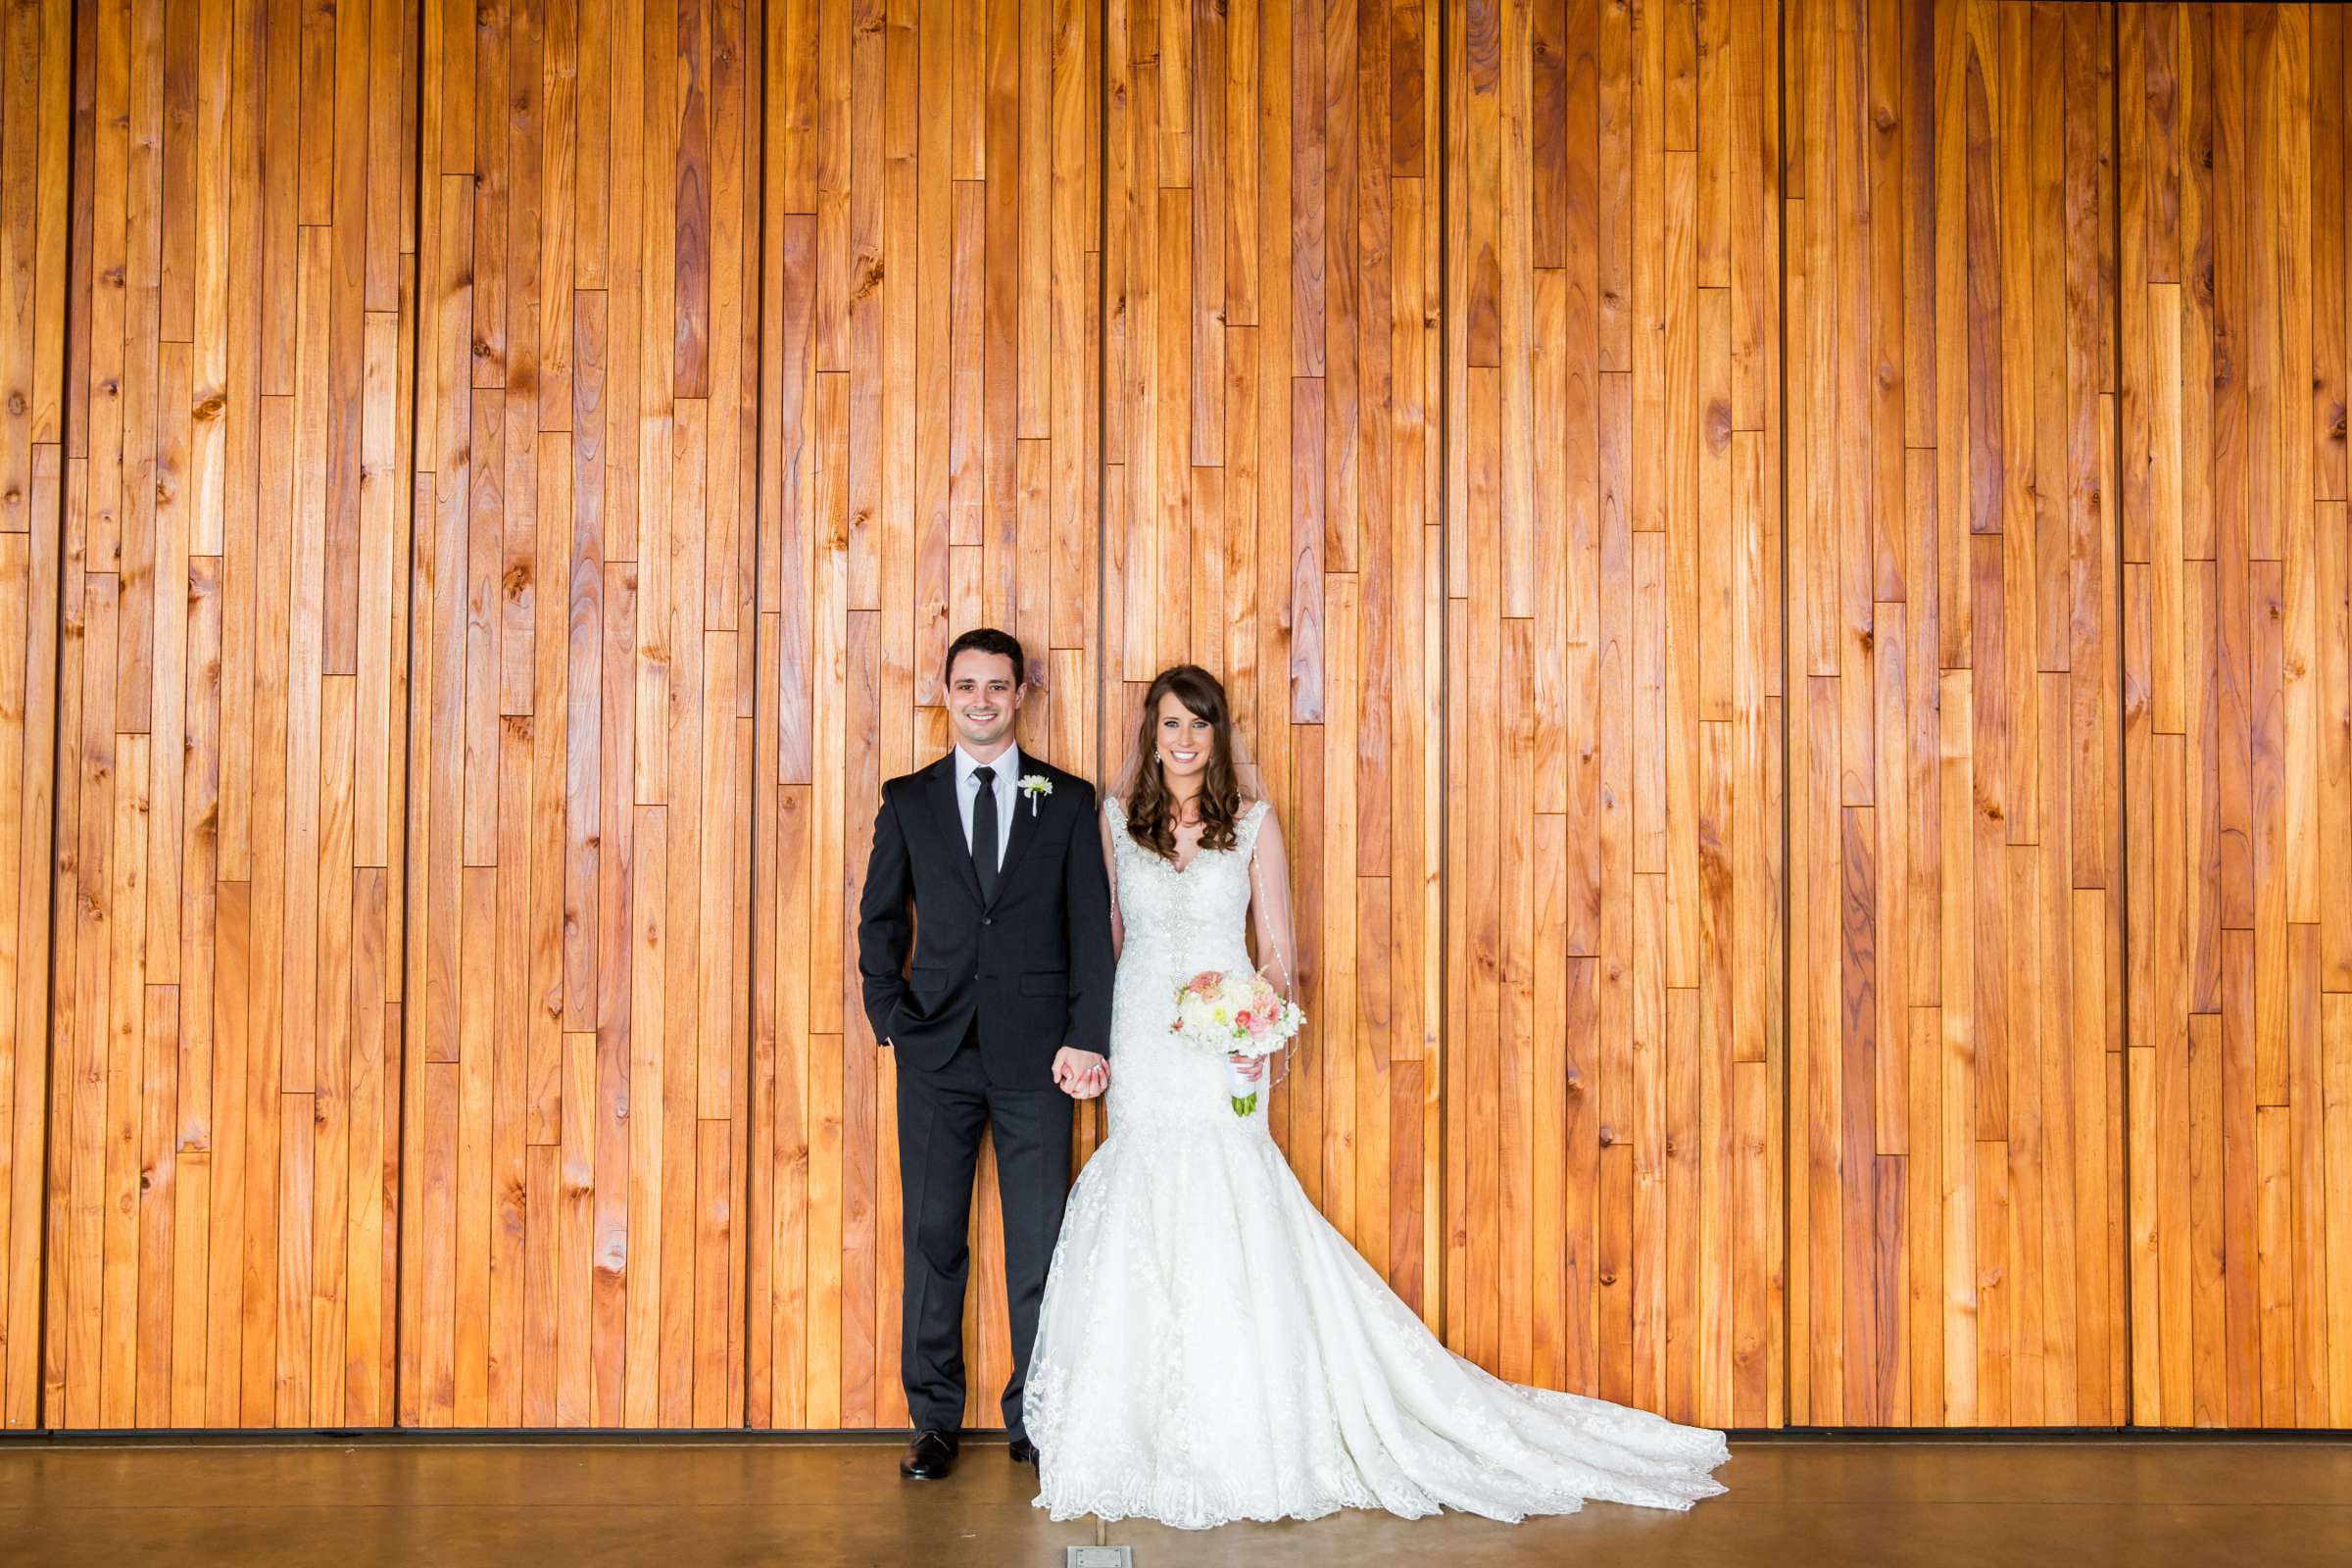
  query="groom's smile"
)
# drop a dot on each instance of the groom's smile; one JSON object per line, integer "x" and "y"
{"x": 984, "y": 696}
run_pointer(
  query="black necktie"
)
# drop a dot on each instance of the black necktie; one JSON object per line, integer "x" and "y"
{"x": 984, "y": 831}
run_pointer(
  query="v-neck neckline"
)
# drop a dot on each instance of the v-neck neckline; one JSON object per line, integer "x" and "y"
{"x": 1198, "y": 849}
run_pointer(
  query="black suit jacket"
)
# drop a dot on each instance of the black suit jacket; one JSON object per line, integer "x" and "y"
{"x": 1035, "y": 963}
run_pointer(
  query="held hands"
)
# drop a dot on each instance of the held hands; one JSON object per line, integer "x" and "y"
{"x": 1079, "y": 1074}
{"x": 1251, "y": 1069}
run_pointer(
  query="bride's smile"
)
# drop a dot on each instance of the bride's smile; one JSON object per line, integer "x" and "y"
{"x": 1186, "y": 742}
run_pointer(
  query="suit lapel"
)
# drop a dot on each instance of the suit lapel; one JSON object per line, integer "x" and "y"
{"x": 941, "y": 787}
{"x": 1025, "y": 810}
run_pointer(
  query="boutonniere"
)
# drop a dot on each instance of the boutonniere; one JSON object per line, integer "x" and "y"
{"x": 1034, "y": 785}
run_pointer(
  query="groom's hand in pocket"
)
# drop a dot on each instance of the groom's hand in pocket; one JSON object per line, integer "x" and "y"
{"x": 1079, "y": 1074}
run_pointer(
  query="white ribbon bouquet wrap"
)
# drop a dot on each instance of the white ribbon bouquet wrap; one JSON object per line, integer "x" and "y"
{"x": 1238, "y": 1016}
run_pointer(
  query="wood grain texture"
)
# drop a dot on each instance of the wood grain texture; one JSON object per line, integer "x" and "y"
{"x": 581, "y": 737}
{"x": 2238, "y": 719}
{"x": 485, "y": 490}
{"x": 36, "y": 127}
{"x": 223, "y": 1203}
{"x": 1272, "y": 513}
{"x": 930, "y": 254}
{"x": 1613, "y": 702}
{"x": 1956, "y": 1213}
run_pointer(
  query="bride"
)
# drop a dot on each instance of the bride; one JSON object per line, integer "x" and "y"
{"x": 1210, "y": 1349}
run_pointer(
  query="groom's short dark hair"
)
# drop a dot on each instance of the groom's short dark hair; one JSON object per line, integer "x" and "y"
{"x": 986, "y": 640}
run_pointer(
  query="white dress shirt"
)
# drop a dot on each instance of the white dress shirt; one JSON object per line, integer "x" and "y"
{"x": 967, "y": 791}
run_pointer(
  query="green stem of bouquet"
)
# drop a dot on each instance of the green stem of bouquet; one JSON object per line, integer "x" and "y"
{"x": 1243, "y": 1105}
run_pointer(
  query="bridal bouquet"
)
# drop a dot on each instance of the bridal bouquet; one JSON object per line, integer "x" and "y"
{"x": 1236, "y": 1016}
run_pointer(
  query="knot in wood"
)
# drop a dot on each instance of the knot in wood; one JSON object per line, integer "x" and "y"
{"x": 1718, "y": 424}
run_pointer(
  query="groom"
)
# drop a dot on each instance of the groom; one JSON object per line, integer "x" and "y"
{"x": 1002, "y": 1022}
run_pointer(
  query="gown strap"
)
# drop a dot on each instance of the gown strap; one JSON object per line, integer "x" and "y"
{"x": 1246, "y": 831}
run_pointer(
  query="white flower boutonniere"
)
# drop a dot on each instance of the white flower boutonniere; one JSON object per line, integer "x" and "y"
{"x": 1034, "y": 785}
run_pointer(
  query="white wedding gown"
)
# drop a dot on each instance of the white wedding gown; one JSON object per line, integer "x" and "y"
{"x": 1210, "y": 1349}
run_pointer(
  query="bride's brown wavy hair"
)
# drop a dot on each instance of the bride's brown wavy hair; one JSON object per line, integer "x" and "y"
{"x": 1150, "y": 807}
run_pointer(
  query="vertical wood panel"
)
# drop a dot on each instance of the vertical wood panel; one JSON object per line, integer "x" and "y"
{"x": 1613, "y": 702}
{"x": 1957, "y": 1240}
{"x": 580, "y": 738}
{"x": 37, "y": 471}
{"x": 223, "y": 1208}
{"x": 2235, "y": 680}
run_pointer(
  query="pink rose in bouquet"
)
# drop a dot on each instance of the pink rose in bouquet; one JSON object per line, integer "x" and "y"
{"x": 1241, "y": 1016}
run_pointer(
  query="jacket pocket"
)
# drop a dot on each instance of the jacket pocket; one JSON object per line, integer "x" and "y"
{"x": 1046, "y": 983}
{"x": 926, "y": 981}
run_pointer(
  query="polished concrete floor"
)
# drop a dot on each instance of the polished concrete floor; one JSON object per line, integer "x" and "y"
{"x": 2074, "y": 1504}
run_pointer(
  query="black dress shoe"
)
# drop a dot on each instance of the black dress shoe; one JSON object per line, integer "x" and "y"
{"x": 929, "y": 1457}
{"x": 1023, "y": 1451}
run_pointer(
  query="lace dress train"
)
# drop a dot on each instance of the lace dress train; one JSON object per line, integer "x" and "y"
{"x": 1210, "y": 1349}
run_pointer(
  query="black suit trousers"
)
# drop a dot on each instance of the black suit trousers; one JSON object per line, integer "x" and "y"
{"x": 942, "y": 1111}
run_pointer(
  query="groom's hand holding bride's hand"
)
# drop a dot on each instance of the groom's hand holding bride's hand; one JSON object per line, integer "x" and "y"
{"x": 1079, "y": 1074}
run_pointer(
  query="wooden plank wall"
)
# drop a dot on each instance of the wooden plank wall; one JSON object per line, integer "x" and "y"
{"x": 2238, "y": 703}
{"x": 573, "y": 1160}
{"x": 230, "y": 814}
{"x": 37, "y": 125}
{"x": 1613, "y": 702}
{"x": 1955, "y": 1215}
{"x": 927, "y": 446}
{"x": 751, "y": 349}
{"x": 1271, "y": 512}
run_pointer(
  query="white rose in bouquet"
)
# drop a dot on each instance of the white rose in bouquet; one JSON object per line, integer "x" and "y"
{"x": 1240, "y": 1016}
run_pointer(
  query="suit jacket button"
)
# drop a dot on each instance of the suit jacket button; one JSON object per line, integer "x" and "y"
{"x": 988, "y": 919}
